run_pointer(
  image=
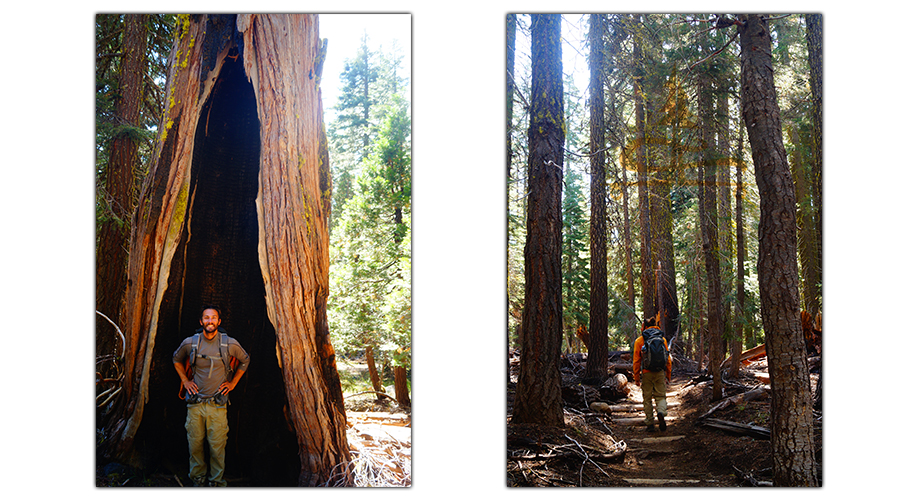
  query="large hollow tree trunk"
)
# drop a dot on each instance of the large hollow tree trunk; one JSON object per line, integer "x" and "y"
{"x": 234, "y": 211}
{"x": 792, "y": 419}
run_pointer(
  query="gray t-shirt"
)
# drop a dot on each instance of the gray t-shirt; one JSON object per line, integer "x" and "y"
{"x": 209, "y": 370}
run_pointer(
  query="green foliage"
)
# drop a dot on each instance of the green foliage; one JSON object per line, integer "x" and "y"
{"x": 370, "y": 276}
{"x": 109, "y": 30}
{"x": 671, "y": 45}
{"x": 576, "y": 275}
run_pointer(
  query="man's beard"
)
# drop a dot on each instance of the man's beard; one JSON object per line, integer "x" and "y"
{"x": 210, "y": 327}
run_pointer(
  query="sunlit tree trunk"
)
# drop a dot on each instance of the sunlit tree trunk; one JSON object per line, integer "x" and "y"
{"x": 538, "y": 393}
{"x": 792, "y": 419}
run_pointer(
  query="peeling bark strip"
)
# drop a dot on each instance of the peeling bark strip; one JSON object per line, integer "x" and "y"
{"x": 278, "y": 52}
{"x": 792, "y": 421}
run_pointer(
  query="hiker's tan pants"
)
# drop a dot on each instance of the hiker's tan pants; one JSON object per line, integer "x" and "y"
{"x": 653, "y": 386}
{"x": 206, "y": 421}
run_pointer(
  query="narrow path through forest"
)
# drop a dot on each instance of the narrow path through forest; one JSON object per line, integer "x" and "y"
{"x": 589, "y": 450}
{"x": 675, "y": 457}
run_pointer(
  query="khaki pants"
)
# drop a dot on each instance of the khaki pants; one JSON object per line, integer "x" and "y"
{"x": 653, "y": 385}
{"x": 207, "y": 422}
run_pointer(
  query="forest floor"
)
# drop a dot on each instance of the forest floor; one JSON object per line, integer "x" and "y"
{"x": 589, "y": 450}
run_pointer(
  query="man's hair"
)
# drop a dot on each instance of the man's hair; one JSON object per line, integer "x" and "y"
{"x": 213, "y": 307}
{"x": 649, "y": 322}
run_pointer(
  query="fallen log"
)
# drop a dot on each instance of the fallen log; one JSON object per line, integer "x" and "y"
{"x": 752, "y": 395}
{"x": 748, "y": 355}
{"x": 569, "y": 451}
{"x": 753, "y": 431}
{"x": 663, "y": 439}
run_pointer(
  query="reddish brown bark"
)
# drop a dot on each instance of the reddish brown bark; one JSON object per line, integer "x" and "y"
{"x": 538, "y": 392}
{"x": 792, "y": 421}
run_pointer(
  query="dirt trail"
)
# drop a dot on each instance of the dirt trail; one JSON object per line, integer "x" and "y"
{"x": 677, "y": 456}
{"x": 685, "y": 454}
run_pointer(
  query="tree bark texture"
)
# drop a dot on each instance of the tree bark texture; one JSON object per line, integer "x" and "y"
{"x": 274, "y": 56}
{"x": 710, "y": 234}
{"x": 792, "y": 420}
{"x": 400, "y": 388}
{"x": 598, "y": 350}
{"x": 538, "y": 393}
{"x": 119, "y": 182}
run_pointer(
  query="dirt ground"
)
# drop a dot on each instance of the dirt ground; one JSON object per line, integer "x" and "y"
{"x": 587, "y": 452}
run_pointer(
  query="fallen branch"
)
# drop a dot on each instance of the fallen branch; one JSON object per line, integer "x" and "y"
{"x": 121, "y": 335}
{"x": 753, "y": 431}
{"x": 752, "y": 395}
{"x": 587, "y": 458}
{"x": 748, "y": 355}
{"x": 746, "y": 476}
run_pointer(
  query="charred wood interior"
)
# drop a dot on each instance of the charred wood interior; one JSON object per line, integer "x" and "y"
{"x": 217, "y": 262}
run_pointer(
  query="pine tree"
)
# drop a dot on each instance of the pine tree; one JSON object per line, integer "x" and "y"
{"x": 538, "y": 396}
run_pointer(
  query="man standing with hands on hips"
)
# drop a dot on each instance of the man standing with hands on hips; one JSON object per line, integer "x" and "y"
{"x": 208, "y": 355}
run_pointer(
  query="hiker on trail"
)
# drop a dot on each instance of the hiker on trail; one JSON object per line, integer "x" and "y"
{"x": 205, "y": 363}
{"x": 652, "y": 368}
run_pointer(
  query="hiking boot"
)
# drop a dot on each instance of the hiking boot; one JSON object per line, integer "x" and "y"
{"x": 662, "y": 421}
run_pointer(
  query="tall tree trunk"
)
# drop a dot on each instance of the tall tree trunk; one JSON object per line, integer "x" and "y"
{"x": 400, "y": 388}
{"x": 539, "y": 394}
{"x": 234, "y": 210}
{"x": 598, "y": 350}
{"x": 740, "y": 297}
{"x": 806, "y": 243}
{"x": 661, "y": 234}
{"x": 814, "y": 50}
{"x": 724, "y": 211}
{"x": 373, "y": 371}
{"x": 648, "y": 287}
{"x": 668, "y": 301}
{"x": 792, "y": 422}
{"x": 630, "y": 326}
{"x": 119, "y": 185}
{"x": 709, "y": 231}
